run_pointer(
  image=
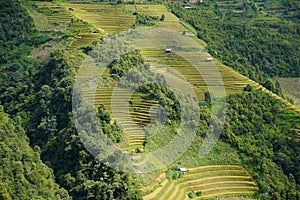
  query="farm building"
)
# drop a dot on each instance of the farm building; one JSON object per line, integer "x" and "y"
{"x": 188, "y": 7}
{"x": 168, "y": 50}
{"x": 182, "y": 169}
{"x": 209, "y": 59}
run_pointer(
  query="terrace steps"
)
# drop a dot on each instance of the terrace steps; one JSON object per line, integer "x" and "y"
{"x": 212, "y": 181}
{"x": 226, "y": 182}
{"x": 130, "y": 115}
{"x": 232, "y": 81}
{"x": 111, "y": 19}
{"x": 298, "y": 133}
{"x": 55, "y": 13}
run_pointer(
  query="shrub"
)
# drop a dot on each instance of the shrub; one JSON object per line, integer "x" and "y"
{"x": 146, "y": 20}
{"x": 191, "y": 194}
{"x": 198, "y": 194}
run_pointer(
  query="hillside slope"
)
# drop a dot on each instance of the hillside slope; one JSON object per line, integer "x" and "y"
{"x": 256, "y": 155}
{"x": 23, "y": 175}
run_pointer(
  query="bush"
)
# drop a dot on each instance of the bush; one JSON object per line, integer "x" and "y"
{"x": 191, "y": 194}
{"x": 198, "y": 194}
{"x": 146, "y": 19}
{"x": 72, "y": 33}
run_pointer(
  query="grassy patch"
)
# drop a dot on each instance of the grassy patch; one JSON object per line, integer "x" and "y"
{"x": 291, "y": 88}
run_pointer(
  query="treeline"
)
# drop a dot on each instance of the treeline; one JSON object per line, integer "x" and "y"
{"x": 109, "y": 127}
{"x": 250, "y": 48}
{"x": 23, "y": 175}
{"x": 264, "y": 133}
{"x": 38, "y": 94}
{"x": 146, "y": 20}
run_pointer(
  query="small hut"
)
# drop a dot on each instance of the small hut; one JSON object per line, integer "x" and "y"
{"x": 188, "y": 7}
{"x": 209, "y": 59}
{"x": 182, "y": 169}
{"x": 168, "y": 50}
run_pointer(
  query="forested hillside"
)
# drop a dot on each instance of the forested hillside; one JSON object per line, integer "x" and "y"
{"x": 15, "y": 24}
{"x": 264, "y": 133}
{"x": 38, "y": 93}
{"x": 23, "y": 175}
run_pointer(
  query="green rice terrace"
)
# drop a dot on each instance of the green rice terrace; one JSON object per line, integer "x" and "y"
{"x": 110, "y": 18}
{"x": 211, "y": 181}
{"x": 56, "y": 17}
{"x": 90, "y": 22}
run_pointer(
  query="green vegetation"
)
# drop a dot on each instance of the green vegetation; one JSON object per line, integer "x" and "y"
{"x": 156, "y": 10}
{"x": 110, "y": 128}
{"x": 38, "y": 94}
{"x": 272, "y": 128}
{"x": 121, "y": 66}
{"x": 198, "y": 194}
{"x": 247, "y": 44}
{"x": 108, "y": 18}
{"x": 283, "y": 9}
{"x": 145, "y": 20}
{"x": 290, "y": 88}
{"x": 145, "y": 96}
{"x": 12, "y": 35}
{"x": 23, "y": 175}
{"x": 173, "y": 173}
{"x": 42, "y": 45}
{"x": 191, "y": 194}
{"x": 207, "y": 182}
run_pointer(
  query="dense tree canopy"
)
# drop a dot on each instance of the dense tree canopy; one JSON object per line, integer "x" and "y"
{"x": 23, "y": 175}
{"x": 264, "y": 133}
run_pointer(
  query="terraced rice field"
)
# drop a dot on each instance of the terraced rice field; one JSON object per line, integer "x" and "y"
{"x": 84, "y": 39}
{"x": 236, "y": 6}
{"x": 62, "y": 19}
{"x": 131, "y": 117}
{"x": 109, "y": 18}
{"x": 141, "y": 110}
{"x": 171, "y": 21}
{"x": 131, "y": 114}
{"x": 213, "y": 181}
{"x": 232, "y": 81}
{"x": 86, "y": 36}
{"x": 55, "y": 13}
